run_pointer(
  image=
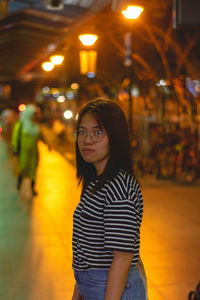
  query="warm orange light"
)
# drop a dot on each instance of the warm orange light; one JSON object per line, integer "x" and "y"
{"x": 74, "y": 86}
{"x": 21, "y": 107}
{"x": 47, "y": 66}
{"x": 57, "y": 59}
{"x": 132, "y": 12}
{"x": 1, "y": 129}
{"x": 54, "y": 172}
{"x": 88, "y": 61}
{"x": 88, "y": 39}
{"x": 68, "y": 114}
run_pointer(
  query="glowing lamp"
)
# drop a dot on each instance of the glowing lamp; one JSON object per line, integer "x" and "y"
{"x": 47, "y": 66}
{"x": 132, "y": 12}
{"x": 57, "y": 59}
{"x": 88, "y": 39}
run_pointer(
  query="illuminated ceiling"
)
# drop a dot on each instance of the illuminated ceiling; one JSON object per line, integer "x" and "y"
{"x": 33, "y": 29}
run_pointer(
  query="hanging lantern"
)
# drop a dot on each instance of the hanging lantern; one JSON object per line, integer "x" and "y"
{"x": 88, "y": 61}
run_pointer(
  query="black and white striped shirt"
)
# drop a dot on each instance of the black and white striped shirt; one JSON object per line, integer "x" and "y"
{"x": 106, "y": 220}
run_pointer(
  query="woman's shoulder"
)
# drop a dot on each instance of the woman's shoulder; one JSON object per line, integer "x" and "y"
{"x": 123, "y": 184}
{"x": 128, "y": 179}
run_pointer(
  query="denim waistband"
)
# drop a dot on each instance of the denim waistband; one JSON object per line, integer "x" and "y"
{"x": 92, "y": 283}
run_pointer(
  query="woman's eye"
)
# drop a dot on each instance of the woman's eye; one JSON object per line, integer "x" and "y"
{"x": 98, "y": 132}
{"x": 81, "y": 132}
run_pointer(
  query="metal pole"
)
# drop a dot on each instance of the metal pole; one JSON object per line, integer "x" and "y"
{"x": 128, "y": 63}
{"x": 130, "y": 110}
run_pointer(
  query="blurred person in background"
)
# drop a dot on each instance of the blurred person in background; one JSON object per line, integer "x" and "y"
{"x": 25, "y": 136}
{"x": 8, "y": 117}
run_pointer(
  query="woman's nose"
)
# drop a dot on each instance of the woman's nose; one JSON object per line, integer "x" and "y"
{"x": 88, "y": 138}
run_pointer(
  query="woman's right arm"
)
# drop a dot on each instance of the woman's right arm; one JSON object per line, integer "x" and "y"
{"x": 76, "y": 294}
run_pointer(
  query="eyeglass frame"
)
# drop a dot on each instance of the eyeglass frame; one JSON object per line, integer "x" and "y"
{"x": 90, "y": 133}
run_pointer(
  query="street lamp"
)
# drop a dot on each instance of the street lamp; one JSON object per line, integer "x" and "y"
{"x": 47, "y": 66}
{"x": 57, "y": 59}
{"x": 88, "y": 58}
{"x": 132, "y": 12}
{"x": 88, "y": 39}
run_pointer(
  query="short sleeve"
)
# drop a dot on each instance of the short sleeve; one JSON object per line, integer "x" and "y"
{"x": 122, "y": 225}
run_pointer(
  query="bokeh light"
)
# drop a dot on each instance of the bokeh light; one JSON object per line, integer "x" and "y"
{"x": 57, "y": 59}
{"x": 68, "y": 114}
{"x": 21, "y": 107}
{"x": 47, "y": 66}
{"x": 61, "y": 99}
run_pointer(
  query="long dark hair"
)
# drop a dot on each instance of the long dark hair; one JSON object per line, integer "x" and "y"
{"x": 109, "y": 116}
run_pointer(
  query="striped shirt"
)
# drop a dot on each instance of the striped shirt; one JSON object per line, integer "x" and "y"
{"x": 106, "y": 220}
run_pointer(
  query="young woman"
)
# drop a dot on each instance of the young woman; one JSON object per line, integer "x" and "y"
{"x": 106, "y": 231}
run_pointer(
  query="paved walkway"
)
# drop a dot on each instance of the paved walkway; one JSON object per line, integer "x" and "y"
{"x": 35, "y": 234}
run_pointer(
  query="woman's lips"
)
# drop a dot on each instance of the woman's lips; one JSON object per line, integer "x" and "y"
{"x": 87, "y": 150}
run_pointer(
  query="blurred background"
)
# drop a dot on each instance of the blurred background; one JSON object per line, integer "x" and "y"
{"x": 149, "y": 64}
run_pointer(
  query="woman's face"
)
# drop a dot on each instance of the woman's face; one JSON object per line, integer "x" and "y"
{"x": 93, "y": 144}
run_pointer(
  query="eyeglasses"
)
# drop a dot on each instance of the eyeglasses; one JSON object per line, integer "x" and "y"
{"x": 96, "y": 135}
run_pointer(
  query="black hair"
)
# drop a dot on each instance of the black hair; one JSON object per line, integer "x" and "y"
{"x": 109, "y": 116}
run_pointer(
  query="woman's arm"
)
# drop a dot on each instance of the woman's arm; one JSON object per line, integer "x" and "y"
{"x": 118, "y": 275}
{"x": 76, "y": 294}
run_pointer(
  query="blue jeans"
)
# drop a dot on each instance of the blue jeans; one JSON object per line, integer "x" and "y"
{"x": 92, "y": 284}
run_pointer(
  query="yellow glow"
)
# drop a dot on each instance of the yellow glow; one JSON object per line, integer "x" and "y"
{"x": 132, "y": 12}
{"x": 88, "y": 39}
{"x": 57, "y": 59}
{"x": 21, "y": 107}
{"x": 68, "y": 114}
{"x": 88, "y": 60}
{"x": 55, "y": 91}
{"x": 51, "y": 220}
{"x": 75, "y": 86}
{"x": 47, "y": 66}
{"x": 83, "y": 61}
